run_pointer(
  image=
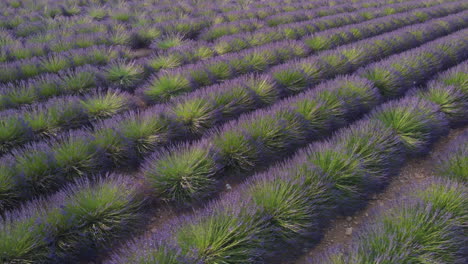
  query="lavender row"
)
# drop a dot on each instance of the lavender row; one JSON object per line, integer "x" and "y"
{"x": 332, "y": 38}
{"x": 263, "y": 12}
{"x": 428, "y": 220}
{"x": 112, "y": 9}
{"x": 122, "y": 74}
{"x": 42, "y": 45}
{"x": 88, "y": 27}
{"x": 124, "y": 140}
{"x": 429, "y": 223}
{"x": 300, "y": 29}
{"x": 70, "y": 27}
{"x": 27, "y": 26}
{"x": 103, "y": 34}
{"x": 230, "y": 28}
{"x": 49, "y": 119}
{"x": 34, "y": 23}
{"x": 226, "y": 29}
{"x": 54, "y": 63}
{"x": 241, "y": 21}
{"x": 292, "y": 202}
{"x": 101, "y": 13}
{"x": 137, "y": 36}
{"x": 253, "y": 141}
{"x": 170, "y": 83}
{"x": 38, "y": 29}
{"x": 129, "y": 15}
{"x": 298, "y": 74}
{"x": 19, "y": 51}
{"x": 208, "y": 31}
{"x": 191, "y": 51}
{"x": 189, "y": 27}
{"x": 76, "y": 223}
{"x": 302, "y": 15}
{"x": 450, "y": 92}
{"x": 452, "y": 163}
{"x": 165, "y": 85}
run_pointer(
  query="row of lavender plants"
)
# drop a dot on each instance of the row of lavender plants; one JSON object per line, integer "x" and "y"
{"x": 123, "y": 141}
{"x": 263, "y": 12}
{"x": 112, "y": 34}
{"x": 292, "y": 202}
{"x": 335, "y": 37}
{"x": 43, "y": 45}
{"x": 89, "y": 33}
{"x": 138, "y": 12}
{"x": 25, "y": 93}
{"x": 98, "y": 55}
{"x": 139, "y": 34}
{"x": 193, "y": 51}
{"x": 118, "y": 73}
{"x": 131, "y": 12}
{"x": 301, "y": 15}
{"x": 120, "y": 35}
{"x": 90, "y": 216}
{"x": 32, "y": 28}
{"x": 230, "y": 28}
{"x": 427, "y": 225}
{"x": 173, "y": 82}
{"x": 62, "y": 113}
{"x": 122, "y": 39}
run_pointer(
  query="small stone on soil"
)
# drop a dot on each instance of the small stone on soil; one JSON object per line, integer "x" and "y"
{"x": 419, "y": 175}
{"x": 349, "y": 218}
{"x": 349, "y": 231}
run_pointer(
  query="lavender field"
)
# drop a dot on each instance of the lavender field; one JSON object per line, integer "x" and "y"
{"x": 232, "y": 131}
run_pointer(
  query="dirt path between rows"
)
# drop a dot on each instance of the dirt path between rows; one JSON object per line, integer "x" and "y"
{"x": 416, "y": 171}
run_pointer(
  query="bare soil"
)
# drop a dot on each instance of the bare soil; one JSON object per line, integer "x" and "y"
{"x": 416, "y": 171}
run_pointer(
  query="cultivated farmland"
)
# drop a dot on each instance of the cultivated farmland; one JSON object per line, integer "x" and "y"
{"x": 233, "y": 131}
